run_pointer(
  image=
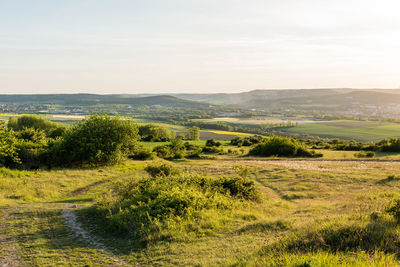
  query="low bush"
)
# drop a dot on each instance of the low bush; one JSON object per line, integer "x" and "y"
{"x": 161, "y": 169}
{"x": 213, "y": 149}
{"x": 51, "y": 129}
{"x": 369, "y": 154}
{"x": 282, "y": 147}
{"x": 174, "y": 150}
{"x": 154, "y": 133}
{"x": 394, "y": 209}
{"x": 172, "y": 207}
{"x": 212, "y": 142}
{"x": 247, "y": 141}
{"x": 141, "y": 153}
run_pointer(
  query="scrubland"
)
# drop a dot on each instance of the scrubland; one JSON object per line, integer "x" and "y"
{"x": 310, "y": 212}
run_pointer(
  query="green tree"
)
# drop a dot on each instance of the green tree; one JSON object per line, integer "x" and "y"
{"x": 194, "y": 133}
{"x": 153, "y": 133}
{"x": 8, "y": 147}
{"x": 99, "y": 140}
{"x": 50, "y": 128}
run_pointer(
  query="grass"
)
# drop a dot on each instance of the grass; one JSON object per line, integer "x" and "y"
{"x": 350, "y": 130}
{"x": 299, "y": 197}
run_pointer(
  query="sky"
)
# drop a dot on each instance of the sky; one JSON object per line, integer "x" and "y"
{"x": 197, "y": 46}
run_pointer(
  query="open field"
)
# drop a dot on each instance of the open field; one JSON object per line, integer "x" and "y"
{"x": 40, "y": 214}
{"x": 350, "y": 130}
{"x": 244, "y": 120}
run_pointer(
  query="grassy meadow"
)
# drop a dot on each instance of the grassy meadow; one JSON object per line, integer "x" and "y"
{"x": 314, "y": 200}
{"x": 364, "y": 131}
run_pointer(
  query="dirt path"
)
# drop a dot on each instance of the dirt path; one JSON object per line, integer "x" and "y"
{"x": 78, "y": 231}
{"x": 8, "y": 247}
{"x": 76, "y": 228}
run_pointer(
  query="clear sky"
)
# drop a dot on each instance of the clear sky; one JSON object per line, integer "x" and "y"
{"x": 197, "y": 46}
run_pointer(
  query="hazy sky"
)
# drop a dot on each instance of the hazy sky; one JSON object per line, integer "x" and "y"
{"x": 132, "y": 46}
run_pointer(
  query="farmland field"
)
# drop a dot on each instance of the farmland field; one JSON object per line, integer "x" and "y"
{"x": 244, "y": 120}
{"x": 350, "y": 130}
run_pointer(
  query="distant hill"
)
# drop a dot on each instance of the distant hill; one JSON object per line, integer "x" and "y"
{"x": 353, "y": 98}
{"x": 260, "y": 95}
{"x": 257, "y": 99}
{"x": 261, "y": 99}
{"x": 92, "y": 99}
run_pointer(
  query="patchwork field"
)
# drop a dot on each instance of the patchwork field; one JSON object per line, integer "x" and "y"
{"x": 350, "y": 130}
{"x": 244, "y": 120}
{"x": 42, "y": 221}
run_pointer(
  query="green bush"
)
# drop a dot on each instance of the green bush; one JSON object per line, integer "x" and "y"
{"x": 213, "y": 149}
{"x": 141, "y": 153}
{"x": 8, "y": 148}
{"x": 170, "y": 207}
{"x": 98, "y": 140}
{"x": 238, "y": 187}
{"x": 153, "y": 133}
{"x": 369, "y": 154}
{"x": 161, "y": 169}
{"x": 193, "y": 151}
{"x": 282, "y": 147}
{"x": 174, "y": 150}
{"x": 394, "y": 209}
{"x": 247, "y": 141}
{"x": 51, "y": 129}
{"x": 212, "y": 142}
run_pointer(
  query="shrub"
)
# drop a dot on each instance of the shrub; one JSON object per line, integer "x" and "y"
{"x": 141, "y": 153}
{"x": 8, "y": 148}
{"x": 213, "y": 149}
{"x": 51, "y": 129}
{"x": 32, "y": 135}
{"x": 174, "y": 150}
{"x": 369, "y": 154}
{"x": 153, "y": 133}
{"x": 193, "y": 151}
{"x": 161, "y": 169}
{"x": 98, "y": 140}
{"x": 170, "y": 207}
{"x": 163, "y": 152}
{"x": 282, "y": 147}
{"x": 238, "y": 187}
{"x": 247, "y": 141}
{"x": 212, "y": 142}
{"x": 394, "y": 209}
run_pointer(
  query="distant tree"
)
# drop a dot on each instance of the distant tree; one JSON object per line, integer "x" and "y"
{"x": 194, "y": 133}
{"x": 50, "y": 128}
{"x": 153, "y": 133}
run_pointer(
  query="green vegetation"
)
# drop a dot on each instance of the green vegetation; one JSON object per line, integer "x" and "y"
{"x": 172, "y": 207}
{"x": 363, "y": 132}
{"x": 99, "y": 140}
{"x": 154, "y": 133}
{"x": 161, "y": 169}
{"x": 282, "y": 147}
{"x": 368, "y": 154}
{"x": 194, "y": 133}
{"x": 51, "y": 129}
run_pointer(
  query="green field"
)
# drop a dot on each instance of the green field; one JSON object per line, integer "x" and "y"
{"x": 350, "y": 130}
